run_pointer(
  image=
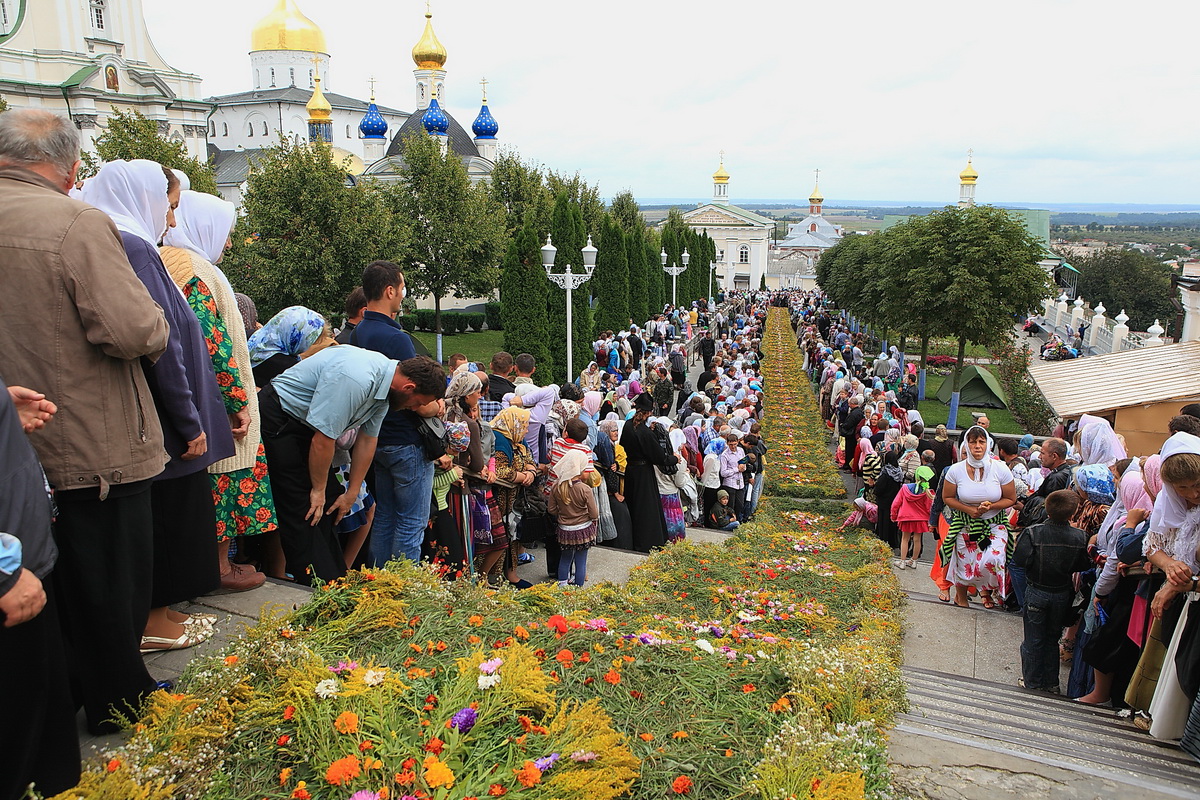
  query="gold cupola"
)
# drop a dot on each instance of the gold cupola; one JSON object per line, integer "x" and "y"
{"x": 968, "y": 175}
{"x": 318, "y": 107}
{"x": 816, "y": 198}
{"x": 286, "y": 28}
{"x": 721, "y": 175}
{"x": 428, "y": 53}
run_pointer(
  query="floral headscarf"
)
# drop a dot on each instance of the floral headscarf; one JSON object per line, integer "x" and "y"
{"x": 290, "y": 332}
{"x": 716, "y": 447}
{"x": 513, "y": 422}
{"x": 1096, "y": 481}
{"x": 462, "y": 384}
{"x": 458, "y": 436}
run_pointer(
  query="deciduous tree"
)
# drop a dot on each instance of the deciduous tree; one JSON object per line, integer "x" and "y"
{"x": 457, "y": 228}
{"x": 130, "y": 135}
{"x": 1127, "y": 279}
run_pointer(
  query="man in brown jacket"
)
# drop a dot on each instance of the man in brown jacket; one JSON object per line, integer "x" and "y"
{"x": 76, "y": 324}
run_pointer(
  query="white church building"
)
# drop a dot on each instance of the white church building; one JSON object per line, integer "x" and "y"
{"x": 743, "y": 238}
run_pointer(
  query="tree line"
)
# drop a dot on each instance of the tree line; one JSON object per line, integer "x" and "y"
{"x": 959, "y": 273}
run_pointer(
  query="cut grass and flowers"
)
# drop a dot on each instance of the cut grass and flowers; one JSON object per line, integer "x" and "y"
{"x": 767, "y": 666}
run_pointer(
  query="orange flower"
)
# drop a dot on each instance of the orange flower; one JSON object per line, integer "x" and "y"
{"x": 473, "y": 639}
{"x": 300, "y": 793}
{"x": 782, "y": 704}
{"x": 346, "y": 722}
{"x": 749, "y": 687}
{"x": 283, "y": 740}
{"x": 728, "y": 753}
{"x": 559, "y": 623}
{"x": 565, "y": 657}
{"x": 681, "y": 785}
{"x": 113, "y": 765}
{"x": 646, "y": 737}
{"x": 342, "y": 771}
{"x": 612, "y": 676}
{"x": 520, "y": 633}
{"x": 405, "y": 778}
{"x": 529, "y": 775}
{"x": 475, "y": 620}
{"x": 435, "y": 745}
{"x": 437, "y": 774}
{"x": 585, "y": 657}
{"x": 365, "y": 746}
{"x": 230, "y": 660}
{"x": 285, "y": 774}
{"x": 440, "y": 646}
{"x": 496, "y": 790}
{"x": 679, "y": 735}
{"x": 289, "y": 712}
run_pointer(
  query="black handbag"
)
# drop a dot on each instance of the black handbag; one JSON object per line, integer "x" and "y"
{"x": 530, "y": 502}
{"x": 433, "y": 437}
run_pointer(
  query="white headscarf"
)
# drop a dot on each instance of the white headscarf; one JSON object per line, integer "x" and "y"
{"x": 203, "y": 223}
{"x": 134, "y": 195}
{"x": 185, "y": 183}
{"x": 573, "y": 463}
{"x": 1098, "y": 443}
{"x": 1169, "y": 507}
{"x": 965, "y": 452}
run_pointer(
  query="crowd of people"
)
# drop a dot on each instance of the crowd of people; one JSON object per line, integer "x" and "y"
{"x": 1098, "y": 549}
{"x": 161, "y": 444}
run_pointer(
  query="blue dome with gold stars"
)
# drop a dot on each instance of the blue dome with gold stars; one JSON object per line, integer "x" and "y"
{"x": 373, "y": 125}
{"x": 485, "y": 126}
{"x": 434, "y": 119}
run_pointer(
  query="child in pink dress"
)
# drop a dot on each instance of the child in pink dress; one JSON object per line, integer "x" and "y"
{"x": 910, "y": 512}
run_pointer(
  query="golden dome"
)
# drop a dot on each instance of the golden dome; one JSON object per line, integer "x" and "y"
{"x": 968, "y": 175}
{"x": 816, "y": 198}
{"x": 428, "y": 53}
{"x": 318, "y": 107}
{"x": 285, "y": 28}
{"x": 721, "y": 176}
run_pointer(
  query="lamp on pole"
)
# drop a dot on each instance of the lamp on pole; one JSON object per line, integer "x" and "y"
{"x": 712, "y": 267}
{"x": 674, "y": 271}
{"x": 570, "y": 281}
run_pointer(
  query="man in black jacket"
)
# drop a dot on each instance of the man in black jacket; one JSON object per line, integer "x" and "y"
{"x": 708, "y": 348}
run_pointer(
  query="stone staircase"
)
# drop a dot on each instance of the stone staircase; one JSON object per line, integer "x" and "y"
{"x": 973, "y": 734}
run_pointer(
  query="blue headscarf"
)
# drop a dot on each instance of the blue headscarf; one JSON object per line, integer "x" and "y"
{"x": 716, "y": 447}
{"x": 1096, "y": 481}
{"x": 290, "y": 332}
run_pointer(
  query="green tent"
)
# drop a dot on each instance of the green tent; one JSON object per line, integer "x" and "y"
{"x": 979, "y": 388}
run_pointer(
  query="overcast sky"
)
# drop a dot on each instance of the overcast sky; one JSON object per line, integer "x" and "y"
{"x": 1061, "y": 100}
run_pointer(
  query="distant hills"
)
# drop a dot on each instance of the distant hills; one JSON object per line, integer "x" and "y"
{"x": 900, "y": 207}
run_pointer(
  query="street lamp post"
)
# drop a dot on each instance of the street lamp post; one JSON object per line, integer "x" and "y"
{"x": 570, "y": 281}
{"x": 712, "y": 267}
{"x": 674, "y": 271}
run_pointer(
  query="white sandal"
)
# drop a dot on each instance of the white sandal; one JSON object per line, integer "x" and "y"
{"x": 189, "y": 638}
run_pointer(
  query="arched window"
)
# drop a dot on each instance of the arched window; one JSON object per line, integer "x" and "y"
{"x": 348, "y": 134}
{"x": 720, "y": 255}
{"x": 272, "y": 77}
{"x": 212, "y": 128}
{"x": 97, "y": 14}
{"x": 224, "y": 128}
{"x": 813, "y": 227}
{"x": 257, "y": 79}
{"x": 292, "y": 76}
{"x": 251, "y": 127}
{"x": 744, "y": 254}
{"x": 266, "y": 132}
{"x": 310, "y": 79}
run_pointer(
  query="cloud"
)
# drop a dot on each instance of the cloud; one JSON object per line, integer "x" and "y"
{"x": 1061, "y": 101}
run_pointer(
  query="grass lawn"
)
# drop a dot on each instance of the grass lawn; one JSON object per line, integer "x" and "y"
{"x": 934, "y": 412}
{"x": 475, "y": 346}
{"x": 947, "y": 347}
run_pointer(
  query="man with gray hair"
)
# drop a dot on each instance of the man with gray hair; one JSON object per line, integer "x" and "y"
{"x": 77, "y": 324}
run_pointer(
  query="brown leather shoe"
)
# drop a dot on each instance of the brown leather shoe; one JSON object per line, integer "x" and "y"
{"x": 240, "y": 579}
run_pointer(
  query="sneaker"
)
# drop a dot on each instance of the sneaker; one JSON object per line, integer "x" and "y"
{"x": 898, "y": 563}
{"x": 525, "y": 558}
{"x": 911, "y": 563}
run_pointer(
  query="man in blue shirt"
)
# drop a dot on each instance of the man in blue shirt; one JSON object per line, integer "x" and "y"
{"x": 403, "y": 473}
{"x": 304, "y": 411}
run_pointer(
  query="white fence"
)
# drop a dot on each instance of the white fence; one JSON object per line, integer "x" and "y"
{"x": 1102, "y": 335}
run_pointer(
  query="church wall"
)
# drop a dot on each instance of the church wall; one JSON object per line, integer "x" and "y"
{"x": 295, "y": 123}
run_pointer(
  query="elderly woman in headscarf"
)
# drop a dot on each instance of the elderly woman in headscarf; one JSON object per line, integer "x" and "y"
{"x": 280, "y": 343}
{"x": 589, "y": 379}
{"x": 514, "y": 468}
{"x": 610, "y": 463}
{"x": 977, "y": 490}
{"x": 241, "y": 489}
{"x": 140, "y": 197}
{"x": 473, "y": 505}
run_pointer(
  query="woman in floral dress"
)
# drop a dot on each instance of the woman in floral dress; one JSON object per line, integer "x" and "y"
{"x": 977, "y": 489}
{"x": 241, "y": 487}
{"x": 515, "y": 466}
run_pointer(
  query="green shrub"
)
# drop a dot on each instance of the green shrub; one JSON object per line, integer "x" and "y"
{"x": 475, "y": 319}
{"x": 425, "y": 319}
{"x": 492, "y": 314}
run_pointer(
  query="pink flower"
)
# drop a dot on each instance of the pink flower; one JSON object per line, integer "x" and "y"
{"x": 363, "y": 794}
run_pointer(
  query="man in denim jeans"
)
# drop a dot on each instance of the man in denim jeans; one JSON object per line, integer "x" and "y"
{"x": 403, "y": 473}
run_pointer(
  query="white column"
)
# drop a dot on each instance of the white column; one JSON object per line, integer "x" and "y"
{"x": 1191, "y": 315}
{"x": 1098, "y": 323}
{"x": 1120, "y": 331}
{"x": 1077, "y": 313}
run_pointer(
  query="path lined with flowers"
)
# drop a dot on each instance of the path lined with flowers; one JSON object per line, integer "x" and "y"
{"x": 768, "y": 664}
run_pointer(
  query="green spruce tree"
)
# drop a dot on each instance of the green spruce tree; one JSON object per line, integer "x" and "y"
{"x": 653, "y": 267}
{"x": 611, "y": 279}
{"x": 523, "y": 292}
{"x": 635, "y": 249}
{"x": 567, "y": 233}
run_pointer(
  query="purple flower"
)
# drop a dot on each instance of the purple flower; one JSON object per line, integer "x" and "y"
{"x": 489, "y": 667}
{"x": 546, "y": 763}
{"x": 364, "y": 795}
{"x": 464, "y": 719}
{"x": 342, "y": 666}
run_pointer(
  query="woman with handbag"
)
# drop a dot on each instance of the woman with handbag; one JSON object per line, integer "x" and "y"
{"x": 516, "y": 474}
{"x": 472, "y": 504}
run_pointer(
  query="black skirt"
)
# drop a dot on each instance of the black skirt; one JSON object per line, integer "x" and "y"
{"x": 185, "y": 539}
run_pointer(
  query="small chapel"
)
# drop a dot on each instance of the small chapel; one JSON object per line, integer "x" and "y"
{"x": 743, "y": 238}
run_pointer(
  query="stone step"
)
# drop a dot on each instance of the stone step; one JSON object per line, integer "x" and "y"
{"x": 1048, "y": 734}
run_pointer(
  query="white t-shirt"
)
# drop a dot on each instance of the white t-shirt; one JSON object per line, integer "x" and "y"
{"x": 995, "y": 476}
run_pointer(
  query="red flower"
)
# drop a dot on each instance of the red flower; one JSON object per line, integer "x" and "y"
{"x": 283, "y": 740}
{"x": 559, "y": 623}
{"x": 496, "y": 790}
{"x": 289, "y": 712}
{"x": 681, "y": 785}
{"x": 435, "y": 746}
{"x": 263, "y": 515}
